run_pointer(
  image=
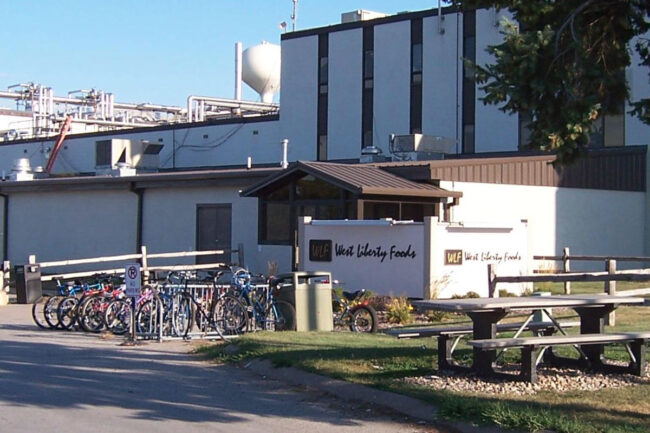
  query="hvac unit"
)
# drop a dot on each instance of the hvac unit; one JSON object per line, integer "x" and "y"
{"x": 138, "y": 154}
{"x": 419, "y": 147}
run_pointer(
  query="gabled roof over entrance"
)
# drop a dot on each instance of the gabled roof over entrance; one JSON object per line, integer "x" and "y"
{"x": 358, "y": 179}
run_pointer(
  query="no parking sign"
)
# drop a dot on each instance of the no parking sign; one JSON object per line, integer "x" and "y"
{"x": 132, "y": 280}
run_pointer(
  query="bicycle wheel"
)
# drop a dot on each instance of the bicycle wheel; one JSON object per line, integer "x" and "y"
{"x": 229, "y": 315}
{"x": 91, "y": 313}
{"x": 38, "y": 312}
{"x": 50, "y": 311}
{"x": 281, "y": 316}
{"x": 117, "y": 316}
{"x": 363, "y": 319}
{"x": 67, "y": 312}
{"x": 147, "y": 319}
{"x": 181, "y": 315}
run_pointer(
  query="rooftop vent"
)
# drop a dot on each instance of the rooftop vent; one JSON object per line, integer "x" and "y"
{"x": 419, "y": 147}
{"x": 360, "y": 15}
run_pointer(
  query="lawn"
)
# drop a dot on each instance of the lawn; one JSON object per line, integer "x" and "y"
{"x": 380, "y": 361}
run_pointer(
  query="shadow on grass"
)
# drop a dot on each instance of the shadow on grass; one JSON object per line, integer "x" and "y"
{"x": 381, "y": 363}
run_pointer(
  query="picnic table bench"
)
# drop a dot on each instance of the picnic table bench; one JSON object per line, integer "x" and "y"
{"x": 635, "y": 343}
{"x": 448, "y": 336}
{"x": 486, "y": 313}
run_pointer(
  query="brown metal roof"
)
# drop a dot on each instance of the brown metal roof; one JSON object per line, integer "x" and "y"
{"x": 360, "y": 179}
{"x": 615, "y": 168}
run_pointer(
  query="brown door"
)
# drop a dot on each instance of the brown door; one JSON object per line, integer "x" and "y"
{"x": 214, "y": 232}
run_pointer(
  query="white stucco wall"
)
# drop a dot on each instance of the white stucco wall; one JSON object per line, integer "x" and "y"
{"x": 589, "y": 222}
{"x": 392, "y": 82}
{"x": 71, "y": 224}
{"x": 344, "y": 97}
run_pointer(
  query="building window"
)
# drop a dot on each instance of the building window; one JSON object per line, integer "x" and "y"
{"x": 367, "y": 97}
{"x": 469, "y": 86}
{"x": 524, "y": 130}
{"x": 416, "y": 77}
{"x": 323, "y": 82}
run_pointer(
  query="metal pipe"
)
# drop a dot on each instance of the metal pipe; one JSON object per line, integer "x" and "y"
{"x": 285, "y": 146}
{"x": 5, "y": 227}
{"x": 238, "y": 70}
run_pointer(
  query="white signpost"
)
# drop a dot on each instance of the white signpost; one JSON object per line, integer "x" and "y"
{"x": 133, "y": 282}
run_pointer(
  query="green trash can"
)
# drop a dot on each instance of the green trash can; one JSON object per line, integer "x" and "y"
{"x": 539, "y": 315}
{"x": 311, "y": 295}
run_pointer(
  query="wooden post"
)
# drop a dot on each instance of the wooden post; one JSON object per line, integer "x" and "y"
{"x": 492, "y": 284}
{"x": 566, "y": 268}
{"x": 4, "y": 283}
{"x": 610, "y": 289}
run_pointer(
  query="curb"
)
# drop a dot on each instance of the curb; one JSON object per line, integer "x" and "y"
{"x": 356, "y": 393}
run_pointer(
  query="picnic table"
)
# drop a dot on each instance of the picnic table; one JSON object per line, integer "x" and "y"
{"x": 592, "y": 310}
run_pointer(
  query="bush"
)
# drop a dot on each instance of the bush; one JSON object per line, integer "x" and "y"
{"x": 399, "y": 311}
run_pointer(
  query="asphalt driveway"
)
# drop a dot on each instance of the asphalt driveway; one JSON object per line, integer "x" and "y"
{"x": 63, "y": 382}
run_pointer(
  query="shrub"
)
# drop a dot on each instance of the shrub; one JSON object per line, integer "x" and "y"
{"x": 438, "y": 316}
{"x": 399, "y": 311}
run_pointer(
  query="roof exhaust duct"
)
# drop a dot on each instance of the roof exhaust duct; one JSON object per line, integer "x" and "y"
{"x": 238, "y": 70}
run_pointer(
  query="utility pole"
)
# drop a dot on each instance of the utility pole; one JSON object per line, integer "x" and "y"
{"x": 294, "y": 15}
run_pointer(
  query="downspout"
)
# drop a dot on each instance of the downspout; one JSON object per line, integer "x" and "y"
{"x": 5, "y": 227}
{"x": 139, "y": 192}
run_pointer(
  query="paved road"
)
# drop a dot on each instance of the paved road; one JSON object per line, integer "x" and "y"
{"x": 66, "y": 382}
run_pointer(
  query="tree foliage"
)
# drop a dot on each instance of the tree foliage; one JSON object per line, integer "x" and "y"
{"x": 562, "y": 62}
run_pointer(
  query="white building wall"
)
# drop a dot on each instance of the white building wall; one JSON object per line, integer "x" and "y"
{"x": 589, "y": 222}
{"x": 299, "y": 101}
{"x": 392, "y": 82}
{"x": 441, "y": 82}
{"x": 169, "y": 217}
{"x": 495, "y": 131}
{"x": 213, "y": 145}
{"x": 58, "y": 225}
{"x": 344, "y": 97}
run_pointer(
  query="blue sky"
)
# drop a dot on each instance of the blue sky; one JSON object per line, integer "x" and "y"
{"x": 157, "y": 51}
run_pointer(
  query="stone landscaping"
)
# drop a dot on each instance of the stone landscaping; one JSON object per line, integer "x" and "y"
{"x": 549, "y": 379}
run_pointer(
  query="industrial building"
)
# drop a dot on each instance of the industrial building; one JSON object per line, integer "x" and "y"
{"x": 377, "y": 119}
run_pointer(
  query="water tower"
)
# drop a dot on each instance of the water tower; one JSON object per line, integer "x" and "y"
{"x": 261, "y": 69}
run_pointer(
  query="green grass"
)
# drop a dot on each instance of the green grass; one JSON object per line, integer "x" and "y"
{"x": 380, "y": 361}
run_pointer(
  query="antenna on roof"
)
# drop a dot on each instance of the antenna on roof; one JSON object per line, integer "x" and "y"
{"x": 294, "y": 15}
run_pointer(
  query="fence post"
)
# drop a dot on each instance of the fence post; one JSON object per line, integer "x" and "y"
{"x": 492, "y": 284}
{"x": 610, "y": 289}
{"x": 567, "y": 268}
{"x": 144, "y": 263}
{"x": 4, "y": 283}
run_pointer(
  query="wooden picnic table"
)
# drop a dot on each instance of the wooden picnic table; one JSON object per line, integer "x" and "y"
{"x": 486, "y": 313}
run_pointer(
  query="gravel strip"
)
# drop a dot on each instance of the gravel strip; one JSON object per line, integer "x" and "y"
{"x": 549, "y": 379}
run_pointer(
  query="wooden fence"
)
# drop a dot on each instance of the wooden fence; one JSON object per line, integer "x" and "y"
{"x": 143, "y": 258}
{"x": 609, "y": 277}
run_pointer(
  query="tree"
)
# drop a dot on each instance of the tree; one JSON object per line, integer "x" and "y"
{"x": 562, "y": 62}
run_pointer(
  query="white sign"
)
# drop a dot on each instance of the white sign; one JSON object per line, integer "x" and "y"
{"x": 132, "y": 280}
{"x": 416, "y": 259}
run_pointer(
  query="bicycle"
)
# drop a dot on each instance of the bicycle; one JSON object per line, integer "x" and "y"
{"x": 354, "y": 311}
{"x": 264, "y": 310}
